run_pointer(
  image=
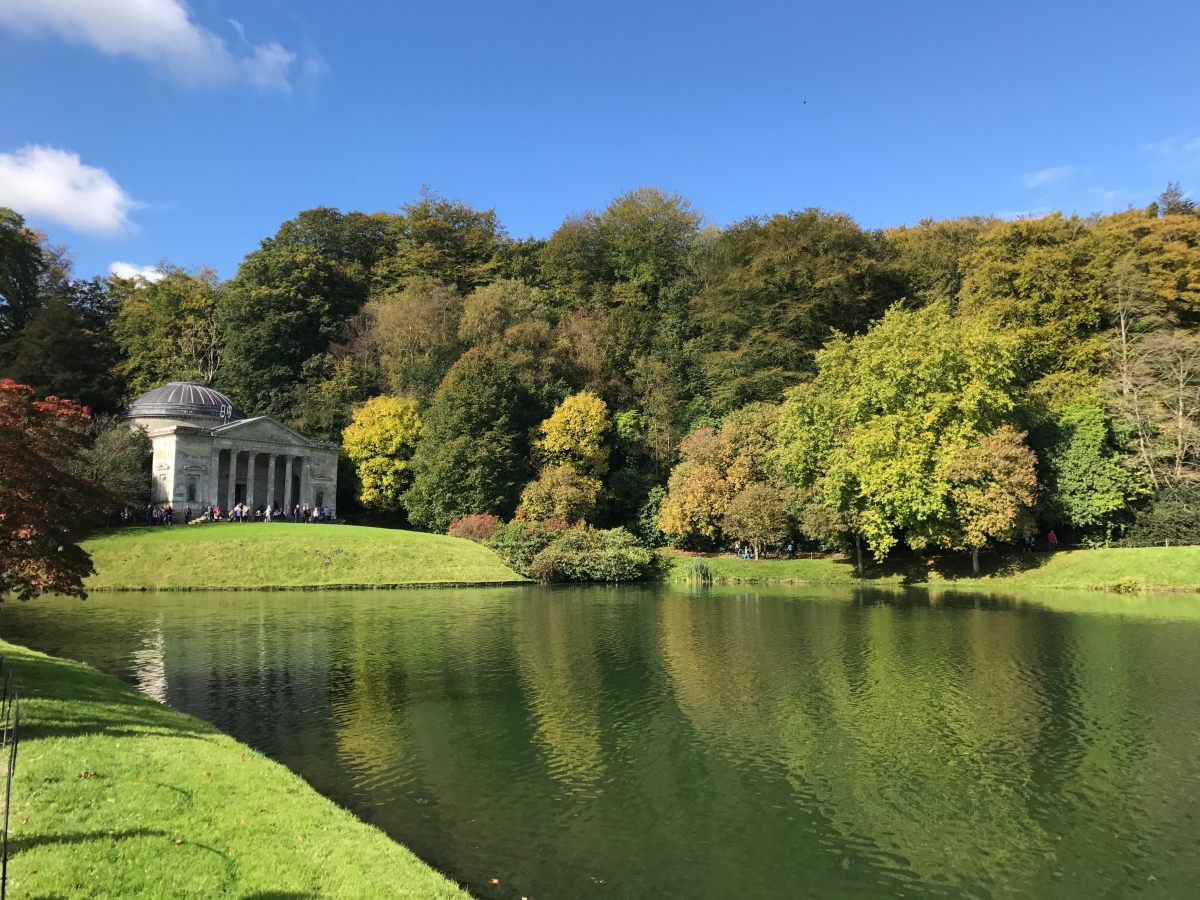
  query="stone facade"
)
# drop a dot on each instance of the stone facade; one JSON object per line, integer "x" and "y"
{"x": 200, "y": 459}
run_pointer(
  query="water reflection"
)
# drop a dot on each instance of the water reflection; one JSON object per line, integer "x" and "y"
{"x": 653, "y": 742}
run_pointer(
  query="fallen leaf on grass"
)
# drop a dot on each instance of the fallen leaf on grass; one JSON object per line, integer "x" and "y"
{"x": 179, "y": 840}
{"x": 207, "y": 774}
{"x": 111, "y": 800}
{"x": 87, "y": 774}
{"x": 300, "y": 838}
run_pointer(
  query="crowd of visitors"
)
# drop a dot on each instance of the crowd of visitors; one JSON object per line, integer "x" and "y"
{"x": 165, "y": 514}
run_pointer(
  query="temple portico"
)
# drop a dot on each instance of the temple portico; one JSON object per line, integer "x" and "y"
{"x": 207, "y": 453}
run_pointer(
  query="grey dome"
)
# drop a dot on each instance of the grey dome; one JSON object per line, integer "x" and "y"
{"x": 184, "y": 400}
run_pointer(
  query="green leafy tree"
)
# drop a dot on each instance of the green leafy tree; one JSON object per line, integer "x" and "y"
{"x": 414, "y": 335}
{"x": 290, "y": 299}
{"x": 931, "y": 256}
{"x": 1088, "y": 486}
{"x": 445, "y": 240}
{"x": 473, "y": 454}
{"x": 757, "y": 515}
{"x": 21, "y": 269}
{"x": 874, "y": 437}
{"x": 774, "y": 288}
{"x": 118, "y": 459}
{"x": 168, "y": 330}
{"x": 380, "y": 441}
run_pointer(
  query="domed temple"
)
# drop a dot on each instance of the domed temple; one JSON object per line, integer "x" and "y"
{"x": 206, "y": 452}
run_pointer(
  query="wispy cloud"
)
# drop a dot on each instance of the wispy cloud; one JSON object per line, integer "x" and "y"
{"x": 1049, "y": 176}
{"x": 44, "y": 181}
{"x": 129, "y": 270}
{"x": 158, "y": 32}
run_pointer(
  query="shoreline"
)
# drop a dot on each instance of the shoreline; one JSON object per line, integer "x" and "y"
{"x": 131, "y": 797}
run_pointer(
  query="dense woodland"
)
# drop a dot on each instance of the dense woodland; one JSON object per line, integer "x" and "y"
{"x": 952, "y": 385}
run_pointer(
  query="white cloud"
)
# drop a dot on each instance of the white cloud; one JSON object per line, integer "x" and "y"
{"x": 43, "y": 181}
{"x": 158, "y": 32}
{"x": 129, "y": 270}
{"x": 1048, "y": 176}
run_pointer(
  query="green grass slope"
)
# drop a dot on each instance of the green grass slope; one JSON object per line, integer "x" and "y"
{"x": 1154, "y": 568}
{"x": 117, "y": 796}
{"x": 257, "y": 555}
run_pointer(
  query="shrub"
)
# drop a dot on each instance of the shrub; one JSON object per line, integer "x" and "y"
{"x": 517, "y": 543}
{"x": 478, "y": 527}
{"x": 553, "y": 554}
{"x": 578, "y": 555}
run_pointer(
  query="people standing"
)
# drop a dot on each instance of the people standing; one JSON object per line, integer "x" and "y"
{"x": 1052, "y": 540}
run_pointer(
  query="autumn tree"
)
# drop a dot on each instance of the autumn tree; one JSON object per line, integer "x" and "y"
{"x": 44, "y": 509}
{"x": 380, "y": 441}
{"x": 758, "y": 515}
{"x": 880, "y": 435}
{"x": 562, "y": 493}
{"x": 415, "y": 335}
{"x": 575, "y": 435}
{"x": 168, "y": 330}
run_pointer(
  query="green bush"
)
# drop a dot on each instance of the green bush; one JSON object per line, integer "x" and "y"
{"x": 571, "y": 554}
{"x": 699, "y": 570}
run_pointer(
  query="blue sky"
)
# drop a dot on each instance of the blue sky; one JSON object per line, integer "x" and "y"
{"x": 137, "y": 131}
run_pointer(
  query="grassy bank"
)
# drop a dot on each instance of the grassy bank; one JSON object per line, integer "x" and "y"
{"x": 117, "y": 796}
{"x": 249, "y": 556}
{"x": 1149, "y": 568}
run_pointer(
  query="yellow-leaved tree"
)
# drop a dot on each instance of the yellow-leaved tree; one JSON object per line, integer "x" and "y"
{"x": 380, "y": 441}
{"x": 574, "y": 436}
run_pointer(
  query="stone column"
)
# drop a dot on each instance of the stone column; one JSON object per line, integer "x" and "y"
{"x": 233, "y": 455}
{"x": 213, "y": 494}
{"x": 250, "y": 479}
{"x": 271, "y": 480}
{"x": 305, "y": 481}
{"x": 288, "y": 500}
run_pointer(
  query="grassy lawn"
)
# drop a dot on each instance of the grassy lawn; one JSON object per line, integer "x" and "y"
{"x": 117, "y": 796}
{"x": 258, "y": 555}
{"x": 1175, "y": 568}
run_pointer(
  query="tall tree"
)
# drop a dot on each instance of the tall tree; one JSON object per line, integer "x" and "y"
{"x": 932, "y": 254}
{"x": 289, "y": 301}
{"x": 380, "y": 441}
{"x": 474, "y": 451}
{"x": 20, "y": 271}
{"x": 775, "y": 288}
{"x": 168, "y": 329}
{"x": 880, "y": 435}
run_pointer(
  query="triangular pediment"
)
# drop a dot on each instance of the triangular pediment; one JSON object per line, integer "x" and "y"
{"x": 263, "y": 428}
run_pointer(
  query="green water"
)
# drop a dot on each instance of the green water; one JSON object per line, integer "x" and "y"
{"x": 707, "y": 743}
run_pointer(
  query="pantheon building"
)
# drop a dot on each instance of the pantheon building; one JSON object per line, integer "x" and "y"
{"x": 207, "y": 452}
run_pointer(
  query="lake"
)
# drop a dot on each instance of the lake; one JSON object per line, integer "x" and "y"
{"x": 674, "y": 742}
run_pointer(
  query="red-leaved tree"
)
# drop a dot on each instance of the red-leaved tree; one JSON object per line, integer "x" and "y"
{"x": 44, "y": 510}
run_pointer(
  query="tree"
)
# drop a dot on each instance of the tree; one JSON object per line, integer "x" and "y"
{"x": 21, "y": 269}
{"x": 1044, "y": 282}
{"x": 875, "y": 435}
{"x": 1087, "y": 486}
{"x": 415, "y": 335}
{"x": 774, "y": 288}
{"x": 575, "y": 435}
{"x": 290, "y": 299}
{"x": 380, "y": 441}
{"x": 118, "y": 459}
{"x": 932, "y": 256}
{"x": 445, "y": 240}
{"x": 562, "y": 493}
{"x": 44, "y": 509}
{"x": 473, "y": 454}
{"x": 168, "y": 330}
{"x": 757, "y": 515}
{"x": 993, "y": 486}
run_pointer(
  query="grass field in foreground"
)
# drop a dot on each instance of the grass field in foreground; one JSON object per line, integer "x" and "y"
{"x": 254, "y": 555}
{"x": 1160, "y": 568}
{"x": 117, "y": 796}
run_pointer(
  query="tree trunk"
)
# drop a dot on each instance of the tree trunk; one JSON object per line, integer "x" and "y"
{"x": 975, "y": 560}
{"x": 858, "y": 547}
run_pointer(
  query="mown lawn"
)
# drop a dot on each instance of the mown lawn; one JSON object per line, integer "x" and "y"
{"x": 257, "y": 555}
{"x": 118, "y": 796}
{"x": 1176, "y": 568}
